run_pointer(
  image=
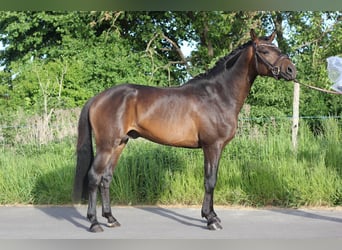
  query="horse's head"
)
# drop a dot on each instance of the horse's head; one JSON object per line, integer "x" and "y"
{"x": 269, "y": 59}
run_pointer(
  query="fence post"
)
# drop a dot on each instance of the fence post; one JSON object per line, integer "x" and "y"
{"x": 295, "y": 114}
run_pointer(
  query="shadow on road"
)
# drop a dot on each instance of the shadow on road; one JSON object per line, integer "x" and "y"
{"x": 70, "y": 214}
{"x": 305, "y": 214}
{"x": 183, "y": 219}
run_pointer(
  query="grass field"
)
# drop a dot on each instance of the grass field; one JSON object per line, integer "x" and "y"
{"x": 258, "y": 168}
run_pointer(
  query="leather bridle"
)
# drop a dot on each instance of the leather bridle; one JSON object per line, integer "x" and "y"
{"x": 276, "y": 71}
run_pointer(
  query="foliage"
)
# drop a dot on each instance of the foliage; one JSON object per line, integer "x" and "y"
{"x": 69, "y": 66}
{"x": 56, "y": 60}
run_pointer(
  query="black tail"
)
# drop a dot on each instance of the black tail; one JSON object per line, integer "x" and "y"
{"x": 85, "y": 155}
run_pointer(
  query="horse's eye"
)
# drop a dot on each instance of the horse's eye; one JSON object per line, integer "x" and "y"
{"x": 265, "y": 52}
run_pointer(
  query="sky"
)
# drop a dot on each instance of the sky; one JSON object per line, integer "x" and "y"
{"x": 187, "y": 48}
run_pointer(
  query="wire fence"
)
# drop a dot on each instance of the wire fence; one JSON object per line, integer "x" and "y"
{"x": 42, "y": 129}
{"x": 289, "y": 118}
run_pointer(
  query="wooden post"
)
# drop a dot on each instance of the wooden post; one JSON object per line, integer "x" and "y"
{"x": 295, "y": 115}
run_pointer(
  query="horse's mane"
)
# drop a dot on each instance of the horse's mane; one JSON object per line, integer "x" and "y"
{"x": 223, "y": 63}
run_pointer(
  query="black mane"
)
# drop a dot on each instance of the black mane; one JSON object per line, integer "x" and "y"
{"x": 223, "y": 63}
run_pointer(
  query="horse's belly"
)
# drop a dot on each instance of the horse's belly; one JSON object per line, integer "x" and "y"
{"x": 173, "y": 133}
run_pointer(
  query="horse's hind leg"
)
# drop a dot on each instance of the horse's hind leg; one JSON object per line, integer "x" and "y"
{"x": 95, "y": 177}
{"x": 105, "y": 186}
{"x": 106, "y": 208}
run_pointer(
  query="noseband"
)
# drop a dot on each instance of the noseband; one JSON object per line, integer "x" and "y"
{"x": 274, "y": 69}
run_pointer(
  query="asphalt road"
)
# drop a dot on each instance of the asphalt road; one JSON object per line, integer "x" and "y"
{"x": 170, "y": 223}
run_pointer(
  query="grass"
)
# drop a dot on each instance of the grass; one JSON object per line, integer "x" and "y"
{"x": 37, "y": 175}
{"x": 258, "y": 168}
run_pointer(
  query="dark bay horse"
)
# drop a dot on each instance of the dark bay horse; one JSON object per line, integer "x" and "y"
{"x": 202, "y": 113}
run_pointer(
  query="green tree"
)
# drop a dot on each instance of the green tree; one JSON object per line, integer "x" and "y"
{"x": 91, "y": 59}
{"x": 100, "y": 49}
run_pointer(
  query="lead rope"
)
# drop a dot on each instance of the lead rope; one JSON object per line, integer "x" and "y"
{"x": 319, "y": 89}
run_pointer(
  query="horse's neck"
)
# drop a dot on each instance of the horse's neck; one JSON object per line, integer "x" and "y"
{"x": 239, "y": 78}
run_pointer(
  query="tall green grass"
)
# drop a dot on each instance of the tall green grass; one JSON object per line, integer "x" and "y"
{"x": 258, "y": 168}
{"x": 37, "y": 174}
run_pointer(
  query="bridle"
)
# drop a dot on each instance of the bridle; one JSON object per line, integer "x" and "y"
{"x": 276, "y": 72}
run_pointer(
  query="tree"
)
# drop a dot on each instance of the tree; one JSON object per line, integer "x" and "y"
{"x": 107, "y": 60}
{"x": 101, "y": 49}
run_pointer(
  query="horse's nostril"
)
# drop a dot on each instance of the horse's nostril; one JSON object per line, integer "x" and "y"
{"x": 291, "y": 71}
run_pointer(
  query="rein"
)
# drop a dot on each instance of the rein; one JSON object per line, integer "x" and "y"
{"x": 318, "y": 89}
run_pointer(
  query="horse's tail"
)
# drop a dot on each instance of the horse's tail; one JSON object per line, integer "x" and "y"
{"x": 85, "y": 155}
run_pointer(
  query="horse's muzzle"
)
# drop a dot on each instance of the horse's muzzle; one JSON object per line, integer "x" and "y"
{"x": 291, "y": 72}
{"x": 288, "y": 71}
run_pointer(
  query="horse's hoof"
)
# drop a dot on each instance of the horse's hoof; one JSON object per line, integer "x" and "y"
{"x": 215, "y": 226}
{"x": 96, "y": 228}
{"x": 113, "y": 224}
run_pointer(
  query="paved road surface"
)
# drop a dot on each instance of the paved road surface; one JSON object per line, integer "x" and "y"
{"x": 170, "y": 223}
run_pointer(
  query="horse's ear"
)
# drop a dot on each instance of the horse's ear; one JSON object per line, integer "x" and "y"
{"x": 271, "y": 37}
{"x": 253, "y": 35}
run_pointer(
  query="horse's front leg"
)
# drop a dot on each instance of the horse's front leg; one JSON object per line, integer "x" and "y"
{"x": 211, "y": 162}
